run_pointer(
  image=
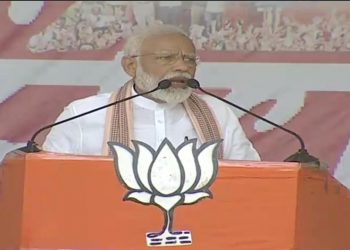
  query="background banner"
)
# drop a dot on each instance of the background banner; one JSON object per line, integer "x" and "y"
{"x": 287, "y": 61}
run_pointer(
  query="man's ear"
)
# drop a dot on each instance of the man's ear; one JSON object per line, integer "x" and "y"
{"x": 129, "y": 66}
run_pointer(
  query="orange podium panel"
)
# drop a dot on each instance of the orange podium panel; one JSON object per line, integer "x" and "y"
{"x": 58, "y": 201}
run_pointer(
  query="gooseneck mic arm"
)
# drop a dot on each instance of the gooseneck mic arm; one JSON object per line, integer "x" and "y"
{"x": 32, "y": 146}
{"x": 301, "y": 156}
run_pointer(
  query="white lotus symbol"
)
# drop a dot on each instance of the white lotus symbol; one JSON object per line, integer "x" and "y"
{"x": 167, "y": 177}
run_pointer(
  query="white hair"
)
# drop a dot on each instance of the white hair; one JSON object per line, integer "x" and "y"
{"x": 133, "y": 44}
{"x": 173, "y": 95}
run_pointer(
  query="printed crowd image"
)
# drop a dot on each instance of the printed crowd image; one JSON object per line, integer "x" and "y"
{"x": 213, "y": 25}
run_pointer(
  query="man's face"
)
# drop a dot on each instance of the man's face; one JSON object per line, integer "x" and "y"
{"x": 166, "y": 57}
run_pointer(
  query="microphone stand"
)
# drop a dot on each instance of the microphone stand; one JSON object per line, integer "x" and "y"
{"x": 32, "y": 146}
{"x": 301, "y": 155}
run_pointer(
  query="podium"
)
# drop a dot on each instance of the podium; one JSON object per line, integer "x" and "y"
{"x": 59, "y": 201}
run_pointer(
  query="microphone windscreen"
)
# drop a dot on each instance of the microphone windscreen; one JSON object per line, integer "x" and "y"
{"x": 193, "y": 83}
{"x": 164, "y": 84}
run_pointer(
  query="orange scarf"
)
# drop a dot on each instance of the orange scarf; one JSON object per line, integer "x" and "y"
{"x": 119, "y": 120}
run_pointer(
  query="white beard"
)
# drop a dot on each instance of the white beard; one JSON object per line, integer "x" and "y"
{"x": 171, "y": 95}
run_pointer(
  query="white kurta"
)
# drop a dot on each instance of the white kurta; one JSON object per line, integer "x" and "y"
{"x": 152, "y": 123}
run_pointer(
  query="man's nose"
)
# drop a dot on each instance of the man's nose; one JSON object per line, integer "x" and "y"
{"x": 182, "y": 65}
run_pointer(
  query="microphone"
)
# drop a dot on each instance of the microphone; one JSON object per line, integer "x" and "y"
{"x": 32, "y": 146}
{"x": 301, "y": 155}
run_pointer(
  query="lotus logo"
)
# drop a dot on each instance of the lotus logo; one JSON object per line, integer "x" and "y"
{"x": 166, "y": 178}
